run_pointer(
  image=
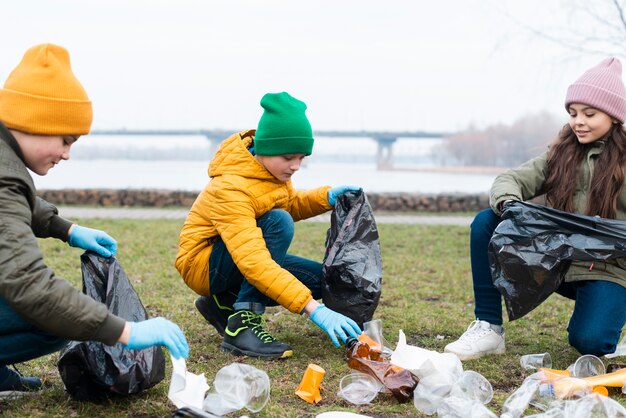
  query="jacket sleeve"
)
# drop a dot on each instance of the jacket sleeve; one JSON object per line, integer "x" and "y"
{"x": 304, "y": 204}
{"x": 232, "y": 212}
{"x": 522, "y": 183}
{"x": 31, "y": 288}
{"x": 47, "y": 223}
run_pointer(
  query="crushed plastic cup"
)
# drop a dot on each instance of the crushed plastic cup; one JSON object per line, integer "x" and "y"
{"x": 359, "y": 388}
{"x": 237, "y": 386}
{"x": 309, "y": 387}
{"x": 536, "y": 361}
{"x": 587, "y": 366}
{"x": 473, "y": 386}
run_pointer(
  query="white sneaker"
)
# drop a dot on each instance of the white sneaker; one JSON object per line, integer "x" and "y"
{"x": 479, "y": 340}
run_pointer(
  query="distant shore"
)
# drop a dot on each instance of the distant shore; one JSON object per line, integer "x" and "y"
{"x": 474, "y": 169}
{"x": 395, "y": 202}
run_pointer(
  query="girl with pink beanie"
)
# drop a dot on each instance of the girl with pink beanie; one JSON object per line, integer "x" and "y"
{"x": 581, "y": 172}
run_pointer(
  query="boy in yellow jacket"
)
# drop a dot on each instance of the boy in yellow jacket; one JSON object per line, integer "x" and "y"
{"x": 233, "y": 245}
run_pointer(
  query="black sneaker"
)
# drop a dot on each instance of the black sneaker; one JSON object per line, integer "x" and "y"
{"x": 216, "y": 309}
{"x": 13, "y": 384}
{"x": 245, "y": 336}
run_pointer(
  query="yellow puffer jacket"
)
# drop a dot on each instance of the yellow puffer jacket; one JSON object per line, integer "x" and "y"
{"x": 240, "y": 191}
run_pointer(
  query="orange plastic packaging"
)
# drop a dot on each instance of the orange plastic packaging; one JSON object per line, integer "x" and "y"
{"x": 309, "y": 387}
{"x": 400, "y": 382}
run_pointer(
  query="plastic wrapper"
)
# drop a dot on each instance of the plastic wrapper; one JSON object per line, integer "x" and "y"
{"x": 533, "y": 247}
{"x": 453, "y": 407}
{"x": 92, "y": 370}
{"x": 186, "y": 389}
{"x": 352, "y": 267}
{"x": 516, "y": 404}
{"x": 374, "y": 329}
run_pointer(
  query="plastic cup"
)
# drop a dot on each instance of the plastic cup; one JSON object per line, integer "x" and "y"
{"x": 358, "y": 388}
{"x": 473, "y": 386}
{"x": 309, "y": 387}
{"x": 587, "y": 366}
{"x": 237, "y": 386}
{"x": 536, "y": 361}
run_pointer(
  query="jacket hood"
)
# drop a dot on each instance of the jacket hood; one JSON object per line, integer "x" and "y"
{"x": 234, "y": 157}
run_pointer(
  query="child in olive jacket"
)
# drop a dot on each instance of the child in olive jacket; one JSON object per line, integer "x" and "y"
{"x": 43, "y": 111}
{"x": 581, "y": 172}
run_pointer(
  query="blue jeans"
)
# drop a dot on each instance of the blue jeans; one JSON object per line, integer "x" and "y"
{"x": 22, "y": 341}
{"x": 591, "y": 329}
{"x": 277, "y": 227}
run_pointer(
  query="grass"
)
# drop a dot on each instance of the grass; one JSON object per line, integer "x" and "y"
{"x": 426, "y": 292}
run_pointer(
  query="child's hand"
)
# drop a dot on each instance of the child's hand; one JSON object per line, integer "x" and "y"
{"x": 92, "y": 239}
{"x": 158, "y": 331}
{"x": 339, "y": 190}
{"x": 335, "y": 324}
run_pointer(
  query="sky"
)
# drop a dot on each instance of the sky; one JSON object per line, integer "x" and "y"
{"x": 437, "y": 66}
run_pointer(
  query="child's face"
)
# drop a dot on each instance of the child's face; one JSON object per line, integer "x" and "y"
{"x": 281, "y": 166}
{"x": 589, "y": 124}
{"x": 42, "y": 152}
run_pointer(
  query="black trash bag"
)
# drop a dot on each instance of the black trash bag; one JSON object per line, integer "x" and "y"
{"x": 533, "y": 247}
{"x": 352, "y": 267}
{"x": 92, "y": 370}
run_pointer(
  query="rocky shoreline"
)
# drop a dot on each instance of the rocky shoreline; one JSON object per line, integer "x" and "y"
{"x": 397, "y": 202}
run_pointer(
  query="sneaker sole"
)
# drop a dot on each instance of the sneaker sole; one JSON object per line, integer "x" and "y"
{"x": 15, "y": 394}
{"x": 474, "y": 356}
{"x": 209, "y": 316}
{"x": 239, "y": 352}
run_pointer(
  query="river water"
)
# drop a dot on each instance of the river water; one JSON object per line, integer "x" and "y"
{"x": 176, "y": 163}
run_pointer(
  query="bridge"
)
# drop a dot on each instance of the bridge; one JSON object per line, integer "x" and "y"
{"x": 384, "y": 139}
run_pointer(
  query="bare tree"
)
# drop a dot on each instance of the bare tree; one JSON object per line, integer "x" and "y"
{"x": 503, "y": 145}
{"x": 587, "y": 27}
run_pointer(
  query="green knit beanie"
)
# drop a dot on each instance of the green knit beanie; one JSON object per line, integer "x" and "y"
{"x": 283, "y": 128}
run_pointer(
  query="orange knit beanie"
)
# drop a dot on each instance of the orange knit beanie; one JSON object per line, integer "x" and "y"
{"x": 42, "y": 96}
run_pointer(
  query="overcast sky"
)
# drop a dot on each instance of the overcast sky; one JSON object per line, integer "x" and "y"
{"x": 358, "y": 64}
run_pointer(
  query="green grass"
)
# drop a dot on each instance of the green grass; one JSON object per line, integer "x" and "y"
{"x": 426, "y": 292}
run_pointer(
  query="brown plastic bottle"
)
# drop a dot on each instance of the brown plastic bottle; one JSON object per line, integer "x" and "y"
{"x": 613, "y": 367}
{"x": 400, "y": 382}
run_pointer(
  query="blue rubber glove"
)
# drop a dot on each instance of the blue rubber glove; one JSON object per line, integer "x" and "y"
{"x": 158, "y": 331}
{"x": 339, "y": 190}
{"x": 92, "y": 239}
{"x": 335, "y": 324}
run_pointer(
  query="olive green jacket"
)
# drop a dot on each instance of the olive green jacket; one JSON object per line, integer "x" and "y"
{"x": 527, "y": 181}
{"x": 26, "y": 283}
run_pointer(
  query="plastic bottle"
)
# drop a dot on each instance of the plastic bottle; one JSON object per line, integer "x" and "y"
{"x": 613, "y": 367}
{"x": 400, "y": 382}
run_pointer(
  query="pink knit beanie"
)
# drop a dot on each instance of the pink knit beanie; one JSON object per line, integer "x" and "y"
{"x": 602, "y": 88}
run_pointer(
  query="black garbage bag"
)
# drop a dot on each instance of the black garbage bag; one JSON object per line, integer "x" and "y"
{"x": 533, "y": 247}
{"x": 92, "y": 370}
{"x": 352, "y": 267}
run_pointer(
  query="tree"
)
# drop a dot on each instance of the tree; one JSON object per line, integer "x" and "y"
{"x": 587, "y": 27}
{"x": 504, "y": 145}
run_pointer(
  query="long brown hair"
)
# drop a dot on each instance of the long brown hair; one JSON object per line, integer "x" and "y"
{"x": 564, "y": 162}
